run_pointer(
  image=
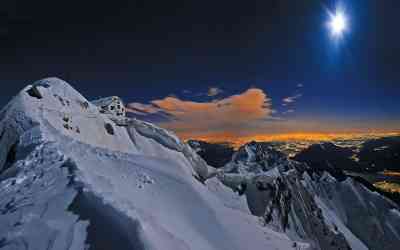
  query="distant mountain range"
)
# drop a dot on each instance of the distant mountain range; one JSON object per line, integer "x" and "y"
{"x": 329, "y": 157}
{"x": 381, "y": 154}
{"x": 372, "y": 155}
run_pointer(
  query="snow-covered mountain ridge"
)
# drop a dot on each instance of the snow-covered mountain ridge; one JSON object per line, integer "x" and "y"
{"x": 75, "y": 178}
{"x": 72, "y": 177}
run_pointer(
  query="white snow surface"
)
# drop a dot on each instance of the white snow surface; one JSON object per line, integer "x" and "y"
{"x": 149, "y": 180}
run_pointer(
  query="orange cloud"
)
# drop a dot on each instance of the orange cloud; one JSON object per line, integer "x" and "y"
{"x": 231, "y": 114}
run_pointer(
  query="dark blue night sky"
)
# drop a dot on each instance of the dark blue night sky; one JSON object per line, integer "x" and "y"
{"x": 148, "y": 50}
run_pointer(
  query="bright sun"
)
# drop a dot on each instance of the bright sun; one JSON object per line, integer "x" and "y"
{"x": 337, "y": 24}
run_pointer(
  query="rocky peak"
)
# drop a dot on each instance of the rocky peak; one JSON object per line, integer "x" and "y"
{"x": 256, "y": 157}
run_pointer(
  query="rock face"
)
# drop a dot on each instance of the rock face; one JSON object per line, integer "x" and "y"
{"x": 215, "y": 154}
{"x": 73, "y": 178}
{"x": 255, "y": 158}
{"x": 293, "y": 198}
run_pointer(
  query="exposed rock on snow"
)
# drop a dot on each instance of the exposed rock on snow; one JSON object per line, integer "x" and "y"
{"x": 112, "y": 105}
{"x": 67, "y": 182}
{"x": 255, "y": 158}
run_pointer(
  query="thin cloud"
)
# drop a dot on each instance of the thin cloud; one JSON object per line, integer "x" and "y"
{"x": 213, "y": 91}
{"x": 291, "y": 99}
{"x": 288, "y": 111}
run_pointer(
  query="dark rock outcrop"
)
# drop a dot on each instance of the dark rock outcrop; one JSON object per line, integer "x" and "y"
{"x": 215, "y": 154}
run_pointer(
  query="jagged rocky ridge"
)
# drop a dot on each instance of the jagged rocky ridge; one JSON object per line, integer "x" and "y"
{"x": 72, "y": 177}
{"x": 307, "y": 204}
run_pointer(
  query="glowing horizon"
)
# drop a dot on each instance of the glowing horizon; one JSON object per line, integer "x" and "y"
{"x": 296, "y": 136}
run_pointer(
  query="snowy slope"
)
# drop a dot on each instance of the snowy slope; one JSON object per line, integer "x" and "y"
{"x": 71, "y": 178}
{"x": 310, "y": 205}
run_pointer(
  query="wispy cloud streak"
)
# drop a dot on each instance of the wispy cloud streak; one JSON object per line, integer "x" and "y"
{"x": 291, "y": 99}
